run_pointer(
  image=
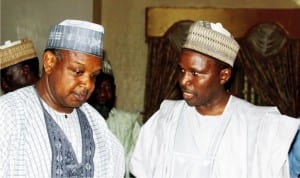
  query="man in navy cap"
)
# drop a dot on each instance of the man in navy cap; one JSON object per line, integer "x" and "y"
{"x": 48, "y": 130}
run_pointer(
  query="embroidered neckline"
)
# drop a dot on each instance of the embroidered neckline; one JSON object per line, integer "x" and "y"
{"x": 64, "y": 160}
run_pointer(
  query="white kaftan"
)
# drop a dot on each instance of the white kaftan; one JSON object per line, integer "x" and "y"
{"x": 247, "y": 141}
{"x": 25, "y": 149}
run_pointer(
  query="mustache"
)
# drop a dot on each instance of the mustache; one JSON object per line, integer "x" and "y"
{"x": 186, "y": 90}
{"x": 83, "y": 93}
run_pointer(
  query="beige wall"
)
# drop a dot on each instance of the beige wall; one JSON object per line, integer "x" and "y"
{"x": 32, "y": 18}
{"x": 0, "y": 20}
{"x": 124, "y": 23}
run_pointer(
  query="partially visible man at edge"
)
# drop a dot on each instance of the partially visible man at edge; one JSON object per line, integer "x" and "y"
{"x": 212, "y": 133}
{"x": 48, "y": 130}
{"x": 19, "y": 65}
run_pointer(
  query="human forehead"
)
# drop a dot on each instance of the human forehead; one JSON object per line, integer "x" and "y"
{"x": 12, "y": 69}
{"x": 80, "y": 58}
{"x": 107, "y": 85}
{"x": 76, "y": 54}
{"x": 193, "y": 58}
{"x": 106, "y": 82}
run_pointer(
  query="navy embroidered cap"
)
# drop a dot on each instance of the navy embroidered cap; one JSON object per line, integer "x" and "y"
{"x": 77, "y": 35}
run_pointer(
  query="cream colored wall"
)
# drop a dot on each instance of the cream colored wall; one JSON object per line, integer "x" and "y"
{"x": 124, "y": 22}
{"x": 32, "y": 18}
{"x": 0, "y": 20}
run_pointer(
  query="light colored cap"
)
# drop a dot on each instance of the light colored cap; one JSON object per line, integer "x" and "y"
{"x": 213, "y": 40}
{"x": 15, "y": 52}
{"x": 107, "y": 69}
{"x": 77, "y": 35}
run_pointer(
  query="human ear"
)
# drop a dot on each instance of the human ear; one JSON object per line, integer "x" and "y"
{"x": 4, "y": 84}
{"x": 49, "y": 61}
{"x": 225, "y": 75}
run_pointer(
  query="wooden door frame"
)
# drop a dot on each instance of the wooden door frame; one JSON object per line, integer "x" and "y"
{"x": 237, "y": 21}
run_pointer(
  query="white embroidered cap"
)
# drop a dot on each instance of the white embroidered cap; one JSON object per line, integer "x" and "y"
{"x": 213, "y": 40}
{"x": 107, "y": 69}
{"x": 15, "y": 52}
{"x": 77, "y": 35}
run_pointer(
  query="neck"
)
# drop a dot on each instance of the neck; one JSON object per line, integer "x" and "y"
{"x": 45, "y": 94}
{"x": 216, "y": 107}
{"x": 104, "y": 110}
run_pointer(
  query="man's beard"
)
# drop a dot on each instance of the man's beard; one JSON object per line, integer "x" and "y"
{"x": 104, "y": 110}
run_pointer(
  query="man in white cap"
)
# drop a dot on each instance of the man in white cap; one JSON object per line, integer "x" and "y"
{"x": 211, "y": 133}
{"x": 48, "y": 130}
{"x": 19, "y": 65}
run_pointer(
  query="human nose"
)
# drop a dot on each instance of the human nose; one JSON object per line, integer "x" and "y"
{"x": 87, "y": 82}
{"x": 102, "y": 93}
{"x": 185, "y": 78}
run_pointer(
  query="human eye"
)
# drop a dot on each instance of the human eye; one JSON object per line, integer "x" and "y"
{"x": 195, "y": 73}
{"x": 94, "y": 76}
{"x": 77, "y": 72}
{"x": 180, "y": 69}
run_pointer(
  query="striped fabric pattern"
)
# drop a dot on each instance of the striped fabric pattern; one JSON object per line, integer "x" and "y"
{"x": 25, "y": 150}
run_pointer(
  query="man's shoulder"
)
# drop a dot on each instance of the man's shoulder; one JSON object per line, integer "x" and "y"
{"x": 22, "y": 95}
{"x": 168, "y": 105}
{"x": 269, "y": 114}
{"x": 245, "y": 107}
{"x": 168, "y": 112}
{"x": 172, "y": 102}
{"x": 123, "y": 113}
{"x": 122, "y": 116}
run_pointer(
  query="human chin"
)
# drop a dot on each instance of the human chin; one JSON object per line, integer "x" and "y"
{"x": 76, "y": 101}
{"x": 187, "y": 95}
{"x": 189, "y": 98}
{"x": 75, "y": 104}
{"x": 190, "y": 102}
